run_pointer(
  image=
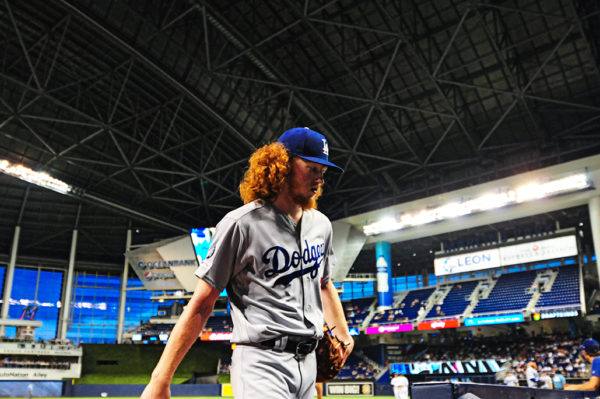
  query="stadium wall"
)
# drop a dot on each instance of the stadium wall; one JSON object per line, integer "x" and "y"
{"x": 116, "y": 363}
{"x": 102, "y": 390}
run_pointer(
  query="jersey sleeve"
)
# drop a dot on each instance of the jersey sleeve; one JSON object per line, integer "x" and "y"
{"x": 223, "y": 254}
{"x": 329, "y": 261}
{"x": 595, "y": 367}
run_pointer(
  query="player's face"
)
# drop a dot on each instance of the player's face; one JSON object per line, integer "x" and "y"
{"x": 306, "y": 180}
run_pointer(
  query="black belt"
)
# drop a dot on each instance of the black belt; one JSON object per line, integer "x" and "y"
{"x": 300, "y": 346}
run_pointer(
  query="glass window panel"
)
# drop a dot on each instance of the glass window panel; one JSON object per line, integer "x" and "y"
{"x": 432, "y": 279}
{"x": 2, "y": 271}
{"x": 35, "y": 295}
{"x": 94, "y": 308}
{"x": 369, "y": 288}
{"x": 48, "y": 300}
{"x": 555, "y": 263}
{"x": 399, "y": 284}
{"x": 411, "y": 282}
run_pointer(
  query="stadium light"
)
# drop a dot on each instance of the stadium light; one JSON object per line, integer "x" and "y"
{"x": 41, "y": 179}
{"x": 485, "y": 202}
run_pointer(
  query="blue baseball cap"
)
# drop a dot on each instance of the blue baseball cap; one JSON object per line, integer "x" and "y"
{"x": 591, "y": 346}
{"x": 308, "y": 145}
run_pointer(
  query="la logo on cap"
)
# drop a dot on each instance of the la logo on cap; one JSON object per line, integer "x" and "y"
{"x": 307, "y": 144}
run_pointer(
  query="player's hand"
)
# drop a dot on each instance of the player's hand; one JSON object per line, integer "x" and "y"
{"x": 351, "y": 344}
{"x": 348, "y": 341}
{"x": 155, "y": 390}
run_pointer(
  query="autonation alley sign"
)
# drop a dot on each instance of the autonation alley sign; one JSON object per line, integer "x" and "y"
{"x": 482, "y": 366}
{"x": 535, "y": 251}
{"x": 43, "y": 374}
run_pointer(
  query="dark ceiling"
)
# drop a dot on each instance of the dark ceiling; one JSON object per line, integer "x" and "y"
{"x": 151, "y": 108}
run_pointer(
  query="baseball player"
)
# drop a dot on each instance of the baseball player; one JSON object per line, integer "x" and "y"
{"x": 400, "y": 386}
{"x": 274, "y": 255}
{"x": 319, "y": 389}
{"x": 591, "y": 354}
{"x": 532, "y": 375}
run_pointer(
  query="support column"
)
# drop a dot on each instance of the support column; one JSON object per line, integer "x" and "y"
{"x": 385, "y": 294}
{"x": 68, "y": 291}
{"x": 10, "y": 272}
{"x": 123, "y": 294}
{"x": 594, "y": 210}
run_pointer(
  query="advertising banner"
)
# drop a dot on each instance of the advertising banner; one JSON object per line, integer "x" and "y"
{"x": 390, "y": 328}
{"x": 438, "y": 324}
{"x": 39, "y": 349}
{"x": 385, "y": 294}
{"x": 349, "y": 388}
{"x": 157, "y": 272}
{"x": 48, "y": 374}
{"x": 499, "y": 319}
{"x": 481, "y": 366}
{"x": 216, "y": 336}
{"x": 554, "y": 315}
{"x": 467, "y": 262}
{"x": 552, "y": 248}
{"x": 42, "y": 389}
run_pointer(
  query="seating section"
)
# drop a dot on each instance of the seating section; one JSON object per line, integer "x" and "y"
{"x": 565, "y": 290}
{"x": 151, "y": 329}
{"x": 414, "y": 301}
{"x": 357, "y": 369}
{"x": 455, "y": 302}
{"x": 219, "y": 324}
{"x": 407, "y": 310}
{"x": 357, "y": 310}
{"x": 511, "y": 292}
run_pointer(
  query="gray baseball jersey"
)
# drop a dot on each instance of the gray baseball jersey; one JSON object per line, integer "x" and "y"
{"x": 273, "y": 270}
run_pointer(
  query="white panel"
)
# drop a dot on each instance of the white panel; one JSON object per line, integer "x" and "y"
{"x": 180, "y": 249}
{"x": 348, "y": 241}
{"x": 185, "y": 276}
{"x": 183, "y": 258}
{"x": 552, "y": 248}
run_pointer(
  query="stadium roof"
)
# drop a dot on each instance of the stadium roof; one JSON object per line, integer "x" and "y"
{"x": 152, "y": 108}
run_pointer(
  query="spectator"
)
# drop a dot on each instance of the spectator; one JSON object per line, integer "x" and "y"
{"x": 545, "y": 381}
{"x": 558, "y": 380}
{"x": 511, "y": 379}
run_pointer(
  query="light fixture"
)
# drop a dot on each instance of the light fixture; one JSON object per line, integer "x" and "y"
{"x": 38, "y": 178}
{"x": 488, "y": 201}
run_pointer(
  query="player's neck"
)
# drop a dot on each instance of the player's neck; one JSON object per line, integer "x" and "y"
{"x": 286, "y": 204}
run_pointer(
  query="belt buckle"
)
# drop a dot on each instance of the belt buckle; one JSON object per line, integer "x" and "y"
{"x": 304, "y": 348}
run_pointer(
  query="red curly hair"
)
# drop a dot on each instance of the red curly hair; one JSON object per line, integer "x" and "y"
{"x": 269, "y": 169}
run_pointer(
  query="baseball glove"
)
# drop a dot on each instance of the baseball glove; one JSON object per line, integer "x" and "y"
{"x": 331, "y": 355}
